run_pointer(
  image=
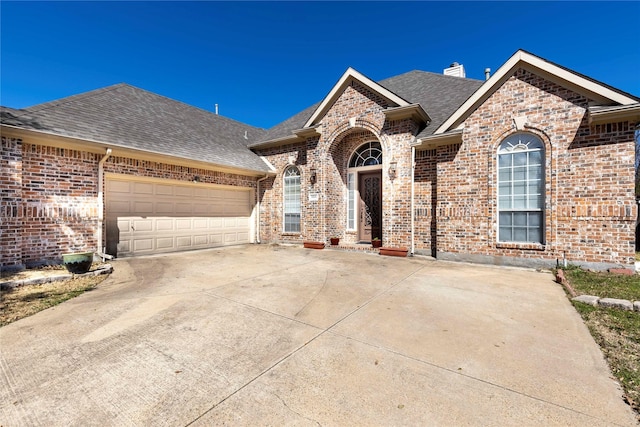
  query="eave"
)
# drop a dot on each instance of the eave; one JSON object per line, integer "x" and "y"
{"x": 433, "y": 141}
{"x": 618, "y": 113}
{"x": 412, "y": 111}
{"x": 99, "y": 147}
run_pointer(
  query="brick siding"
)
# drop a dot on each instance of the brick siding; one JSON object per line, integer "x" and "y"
{"x": 49, "y": 204}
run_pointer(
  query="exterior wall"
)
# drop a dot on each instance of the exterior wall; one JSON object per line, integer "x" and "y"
{"x": 50, "y": 205}
{"x": 590, "y": 205}
{"x": 355, "y": 117}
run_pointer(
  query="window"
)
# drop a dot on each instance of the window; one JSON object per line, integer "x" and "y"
{"x": 521, "y": 189}
{"x": 351, "y": 201}
{"x": 292, "y": 200}
{"x": 368, "y": 154}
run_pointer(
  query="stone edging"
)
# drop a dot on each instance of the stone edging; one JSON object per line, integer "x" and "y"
{"x": 103, "y": 269}
{"x": 595, "y": 301}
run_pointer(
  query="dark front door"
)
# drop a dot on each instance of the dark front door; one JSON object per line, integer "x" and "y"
{"x": 370, "y": 205}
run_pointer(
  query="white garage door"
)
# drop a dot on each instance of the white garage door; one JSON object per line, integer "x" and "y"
{"x": 146, "y": 217}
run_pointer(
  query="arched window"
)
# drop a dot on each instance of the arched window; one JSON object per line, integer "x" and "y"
{"x": 368, "y": 154}
{"x": 291, "y": 200}
{"x": 521, "y": 189}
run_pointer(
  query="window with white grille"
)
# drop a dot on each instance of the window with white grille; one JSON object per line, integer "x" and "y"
{"x": 292, "y": 200}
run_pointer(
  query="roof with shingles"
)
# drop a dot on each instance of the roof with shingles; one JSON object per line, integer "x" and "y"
{"x": 126, "y": 116}
{"x": 439, "y": 96}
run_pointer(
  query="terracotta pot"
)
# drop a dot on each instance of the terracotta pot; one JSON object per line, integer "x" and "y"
{"x": 401, "y": 252}
{"x": 376, "y": 243}
{"x": 314, "y": 245}
{"x": 335, "y": 241}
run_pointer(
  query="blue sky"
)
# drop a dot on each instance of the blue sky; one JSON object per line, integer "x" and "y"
{"x": 263, "y": 62}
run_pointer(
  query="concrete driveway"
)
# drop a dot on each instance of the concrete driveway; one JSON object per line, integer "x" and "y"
{"x": 262, "y": 335}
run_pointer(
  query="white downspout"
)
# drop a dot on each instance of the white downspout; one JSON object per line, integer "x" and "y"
{"x": 101, "y": 200}
{"x": 258, "y": 208}
{"x": 413, "y": 173}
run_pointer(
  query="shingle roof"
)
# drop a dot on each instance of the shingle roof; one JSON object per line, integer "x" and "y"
{"x": 439, "y": 95}
{"x": 126, "y": 116}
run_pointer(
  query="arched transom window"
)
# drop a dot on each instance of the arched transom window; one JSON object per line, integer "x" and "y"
{"x": 291, "y": 200}
{"x": 521, "y": 189}
{"x": 368, "y": 154}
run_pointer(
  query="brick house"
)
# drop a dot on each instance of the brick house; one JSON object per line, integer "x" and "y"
{"x": 533, "y": 165}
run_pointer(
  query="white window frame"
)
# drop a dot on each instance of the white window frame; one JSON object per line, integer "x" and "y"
{"x": 291, "y": 200}
{"x": 525, "y": 196}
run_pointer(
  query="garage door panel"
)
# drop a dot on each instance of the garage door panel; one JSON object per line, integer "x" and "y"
{"x": 142, "y": 188}
{"x": 164, "y": 190}
{"x": 153, "y": 217}
{"x": 164, "y": 224}
{"x": 163, "y": 243}
{"x": 142, "y": 244}
{"x": 142, "y": 207}
{"x": 164, "y": 208}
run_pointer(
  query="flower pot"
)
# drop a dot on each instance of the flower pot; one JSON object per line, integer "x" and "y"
{"x": 314, "y": 245}
{"x": 376, "y": 243}
{"x": 401, "y": 252}
{"x": 78, "y": 263}
{"x": 335, "y": 241}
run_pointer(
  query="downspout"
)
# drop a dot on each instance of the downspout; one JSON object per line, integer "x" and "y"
{"x": 101, "y": 200}
{"x": 413, "y": 173}
{"x": 258, "y": 208}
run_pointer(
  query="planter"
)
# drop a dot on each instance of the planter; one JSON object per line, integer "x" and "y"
{"x": 314, "y": 245}
{"x": 78, "y": 263}
{"x": 335, "y": 241}
{"x": 376, "y": 243}
{"x": 401, "y": 252}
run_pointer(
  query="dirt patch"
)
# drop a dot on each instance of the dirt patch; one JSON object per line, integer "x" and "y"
{"x": 17, "y": 303}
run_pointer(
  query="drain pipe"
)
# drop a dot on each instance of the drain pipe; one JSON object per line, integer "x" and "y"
{"x": 258, "y": 207}
{"x": 413, "y": 175}
{"x": 101, "y": 201}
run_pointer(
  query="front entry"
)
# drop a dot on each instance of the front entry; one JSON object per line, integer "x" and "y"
{"x": 370, "y": 205}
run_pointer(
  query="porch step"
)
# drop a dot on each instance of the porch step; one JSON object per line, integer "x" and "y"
{"x": 354, "y": 247}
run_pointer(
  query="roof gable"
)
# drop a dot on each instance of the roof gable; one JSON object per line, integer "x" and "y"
{"x": 592, "y": 89}
{"x": 347, "y": 78}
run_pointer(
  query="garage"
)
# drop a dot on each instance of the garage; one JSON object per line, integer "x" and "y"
{"x": 148, "y": 216}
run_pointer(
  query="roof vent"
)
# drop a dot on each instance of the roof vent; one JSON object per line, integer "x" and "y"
{"x": 455, "y": 69}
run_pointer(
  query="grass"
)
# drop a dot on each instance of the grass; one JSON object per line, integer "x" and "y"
{"x": 17, "y": 303}
{"x": 616, "y": 331}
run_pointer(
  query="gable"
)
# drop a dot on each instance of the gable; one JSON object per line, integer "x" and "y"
{"x": 599, "y": 93}
{"x": 349, "y": 78}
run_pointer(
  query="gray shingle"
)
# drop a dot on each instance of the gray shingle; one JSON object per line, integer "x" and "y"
{"x": 126, "y": 116}
{"x": 439, "y": 95}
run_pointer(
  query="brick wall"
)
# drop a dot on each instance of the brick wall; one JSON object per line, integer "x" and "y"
{"x": 329, "y": 155}
{"x": 49, "y": 204}
{"x": 590, "y": 206}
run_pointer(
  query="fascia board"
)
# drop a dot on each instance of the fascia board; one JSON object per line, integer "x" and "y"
{"x": 339, "y": 87}
{"x": 541, "y": 67}
{"x": 432, "y": 141}
{"x": 614, "y": 114}
{"x": 92, "y": 146}
{"x": 289, "y": 139}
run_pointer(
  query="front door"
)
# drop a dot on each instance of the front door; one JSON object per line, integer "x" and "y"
{"x": 370, "y": 205}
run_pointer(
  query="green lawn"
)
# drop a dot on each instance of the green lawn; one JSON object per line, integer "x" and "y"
{"x": 616, "y": 331}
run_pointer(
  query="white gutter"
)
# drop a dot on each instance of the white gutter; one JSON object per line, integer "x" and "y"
{"x": 258, "y": 208}
{"x": 101, "y": 199}
{"x": 413, "y": 173}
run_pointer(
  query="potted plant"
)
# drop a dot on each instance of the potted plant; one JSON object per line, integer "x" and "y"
{"x": 78, "y": 263}
{"x": 335, "y": 241}
{"x": 313, "y": 245}
{"x": 401, "y": 252}
{"x": 376, "y": 242}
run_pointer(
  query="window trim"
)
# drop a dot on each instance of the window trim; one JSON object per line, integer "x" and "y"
{"x": 522, "y": 142}
{"x": 285, "y": 183}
